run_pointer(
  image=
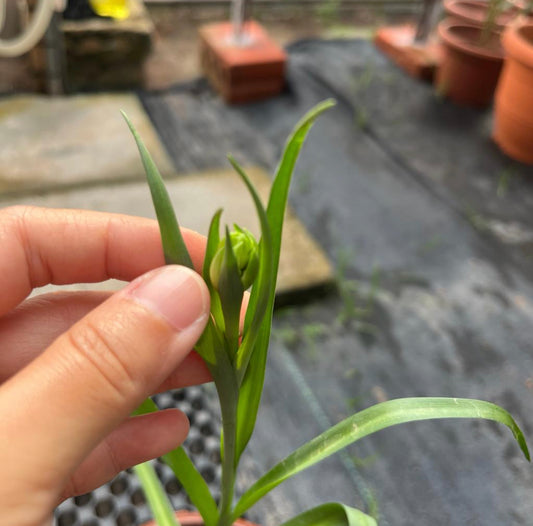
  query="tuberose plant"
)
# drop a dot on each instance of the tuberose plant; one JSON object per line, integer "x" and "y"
{"x": 236, "y": 358}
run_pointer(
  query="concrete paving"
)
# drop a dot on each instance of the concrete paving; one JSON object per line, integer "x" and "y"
{"x": 303, "y": 265}
{"x": 52, "y": 142}
{"x": 79, "y": 152}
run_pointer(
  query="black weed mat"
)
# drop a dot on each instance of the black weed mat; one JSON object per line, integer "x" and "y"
{"x": 432, "y": 233}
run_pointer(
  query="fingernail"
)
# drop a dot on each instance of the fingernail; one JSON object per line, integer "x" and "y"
{"x": 175, "y": 293}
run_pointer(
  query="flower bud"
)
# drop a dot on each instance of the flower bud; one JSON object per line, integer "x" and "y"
{"x": 246, "y": 251}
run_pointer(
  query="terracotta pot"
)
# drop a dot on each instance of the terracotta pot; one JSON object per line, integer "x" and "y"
{"x": 513, "y": 118}
{"x": 469, "y": 72}
{"x": 525, "y": 10}
{"x": 193, "y": 518}
{"x": 474, "y": 12}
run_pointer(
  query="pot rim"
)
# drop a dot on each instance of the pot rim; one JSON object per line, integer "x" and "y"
{"x": 446, "y": 32}
{"x": 193, "y": 518}
{"x": 460, "y": 8}
{"x": 519, "y": 46}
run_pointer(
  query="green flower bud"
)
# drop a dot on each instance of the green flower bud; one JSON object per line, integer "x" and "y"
{"x": 246, "y": 252}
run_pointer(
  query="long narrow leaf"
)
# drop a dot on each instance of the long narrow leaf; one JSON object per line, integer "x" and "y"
{"x": 231, "y": 291}
{"x": 210, "y": 344}
{"x": 155, "y": 495}
{"x": 187, "y": 474}
{"x": 261, "y": 290}
{"x": 280, "y": 188}
{"x": 213, "y": 239}
{"x": 252, "y": 384}
{"x": 174, "y": 247}
{"x": 369, "y": 421}
{"x": 332, "y": 514}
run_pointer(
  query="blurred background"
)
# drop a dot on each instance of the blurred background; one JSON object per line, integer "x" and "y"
{"x": 407, "y": 251}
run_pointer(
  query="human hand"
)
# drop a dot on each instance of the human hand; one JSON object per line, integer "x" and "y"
{"x": 74, "y": 365}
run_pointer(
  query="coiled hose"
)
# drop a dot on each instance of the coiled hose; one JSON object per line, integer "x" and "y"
{"x": 22, "y": 43}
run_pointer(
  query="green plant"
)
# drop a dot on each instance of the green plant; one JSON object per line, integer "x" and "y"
{"x": 328, "y": 12}
{"x": 357, "y": 307}
{"x": 477, "y": 220}
{"x": 237, "y": 360}
{"x": 495, "y": 7}
{"x": 504, "y": 181}
{"x": 430, "y": 245}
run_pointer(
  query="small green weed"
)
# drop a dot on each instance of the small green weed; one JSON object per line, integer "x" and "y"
{"x": 361, "y": 117}
{"x": 328, "y": 12}
{"x": 503, "y": 182}
{"x": 357, "y": 306}
{"x": 477, "y": 220}
{"x": 430, "y": 245}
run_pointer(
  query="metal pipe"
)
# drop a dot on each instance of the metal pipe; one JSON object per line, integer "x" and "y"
{"x": 240, "y": 11}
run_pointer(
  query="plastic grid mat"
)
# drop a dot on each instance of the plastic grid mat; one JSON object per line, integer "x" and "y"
{"x": 121, "y": 502}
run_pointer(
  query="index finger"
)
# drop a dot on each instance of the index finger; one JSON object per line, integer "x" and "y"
{"x": 39, "y": 246}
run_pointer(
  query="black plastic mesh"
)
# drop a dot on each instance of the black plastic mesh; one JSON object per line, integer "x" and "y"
{"x": 121, "y": 502}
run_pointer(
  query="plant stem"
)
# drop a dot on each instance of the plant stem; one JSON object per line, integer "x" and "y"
{"x": 228, "y": 403}
{"x": 155, "y": 494}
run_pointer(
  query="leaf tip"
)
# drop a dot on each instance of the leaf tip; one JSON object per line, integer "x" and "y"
{"x": 523, "y": 446}
{"x": 129, "y": 123}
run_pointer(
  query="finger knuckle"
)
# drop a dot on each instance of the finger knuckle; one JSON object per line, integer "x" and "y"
{"x": 101, "y": 353}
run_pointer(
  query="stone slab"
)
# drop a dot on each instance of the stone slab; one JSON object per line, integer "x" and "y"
{"x": 51, "y": 142}
{"x": 303, "y": 265}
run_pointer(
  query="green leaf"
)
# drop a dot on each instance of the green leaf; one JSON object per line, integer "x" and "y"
{"x": 252, "y": 384}
{"x": 213, "y": 240}
{"x": 210, "y": 344}
{"x": 332, "y": 514}
{"x": 193, "y": 483}
{"x": 369, "y": 421}
{"x": 280, "y": 188}
{"x": 174, "y": 247}
{"x": 155, "y": 495}
{"x": 260, "y": 296}
{"x": 231, "y": 292}
{"x": 189, "y": 477}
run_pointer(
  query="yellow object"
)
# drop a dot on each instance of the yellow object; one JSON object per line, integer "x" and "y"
{"x": 118, "y": 9}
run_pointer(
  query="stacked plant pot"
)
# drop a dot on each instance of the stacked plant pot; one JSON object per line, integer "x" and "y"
{"x": 513, "y": 116}
{"x": 474, "y": 12}
{"x": 472, "y": 52}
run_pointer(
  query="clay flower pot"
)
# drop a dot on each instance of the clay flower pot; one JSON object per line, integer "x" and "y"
{"x": 513, "y": 119}
{"x": 524, "y": 9}
{"x": 469, "y": 71}
{"x": 193, "y": 518}
{"x": 474, "y": 12}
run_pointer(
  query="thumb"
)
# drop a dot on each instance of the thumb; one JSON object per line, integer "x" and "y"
{"x": 92, "y": 377}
